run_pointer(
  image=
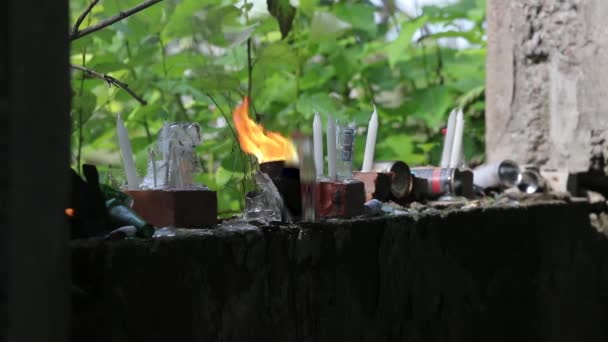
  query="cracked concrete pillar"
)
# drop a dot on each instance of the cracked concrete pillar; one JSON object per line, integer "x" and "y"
{"x": 547, "y": 81}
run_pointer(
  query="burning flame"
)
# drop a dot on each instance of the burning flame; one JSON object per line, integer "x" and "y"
{"x": 267, "y": 146}
{"x": 70, "y": 212}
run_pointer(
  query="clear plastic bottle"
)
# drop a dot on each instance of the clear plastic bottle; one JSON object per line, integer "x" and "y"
{"x": 345, "y": 136}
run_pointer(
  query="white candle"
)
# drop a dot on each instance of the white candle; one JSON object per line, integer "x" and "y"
{"x": 448, "y": 140}
{"x": 456, "y": 158}
{"x": 370, "y": 143}
{"x": 127, "y": 155}
{"x": 331, "y": 147}
{"x": 317, "y": 130}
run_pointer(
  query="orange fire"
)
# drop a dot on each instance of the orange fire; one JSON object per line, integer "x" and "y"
{"x": 267, "y": 146}
{"x": 70, "y": 212}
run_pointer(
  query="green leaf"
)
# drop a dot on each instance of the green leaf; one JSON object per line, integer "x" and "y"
{"x": 284, "y": 13}
{"x": 276, "y": 57}
{"x": 473, "y": 37}
{"x": 316, "y": 75}
{"x": 308, "y": 104}
{"x": 397, "y": 50}
{"x": 183, "y": 21}
{"x": 360, "y": 16}
{"x": 223, "y": 176}
{"x": 399, "y": 147}
{"x": 216, "y": 22}
{"x": 83, "y": 107}
{"x": 213, "y": 78}
{"x": 432, "y": 104}
{"x": 237, "y": 36}
{"x": 326, "y": 27}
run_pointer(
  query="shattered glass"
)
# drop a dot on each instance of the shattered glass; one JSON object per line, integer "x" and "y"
{"x": 266, "y": 204}
{"x": 173, "y": 163}
{"x": 236, "y": 225}
{"x": 164, "y": 232}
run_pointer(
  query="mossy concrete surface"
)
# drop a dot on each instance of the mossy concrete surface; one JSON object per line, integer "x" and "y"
{"x": 528, "y": 273}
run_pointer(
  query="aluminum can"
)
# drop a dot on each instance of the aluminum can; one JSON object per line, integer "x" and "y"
{"x": 401, "y": 184}
{"x": 440, "y": 181}
{"x": 503, "y": 174}
{"x": 531, "y": 181}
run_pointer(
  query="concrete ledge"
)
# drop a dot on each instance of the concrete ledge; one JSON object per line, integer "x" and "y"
{"x": 537, "y": 273}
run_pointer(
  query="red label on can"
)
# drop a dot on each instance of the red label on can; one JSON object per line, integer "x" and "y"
{"x": 436, "y": 181}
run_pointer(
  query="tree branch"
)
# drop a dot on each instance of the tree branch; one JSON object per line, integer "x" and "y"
{"x": 107, "y": 22}
{"x": 83, "y": 16}
{"x": 111, "y": 81}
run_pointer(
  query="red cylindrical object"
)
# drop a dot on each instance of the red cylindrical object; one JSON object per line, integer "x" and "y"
{"x": 445, "y": 181}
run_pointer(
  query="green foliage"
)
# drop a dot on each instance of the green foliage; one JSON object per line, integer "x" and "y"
{"x": 189, "y": 61}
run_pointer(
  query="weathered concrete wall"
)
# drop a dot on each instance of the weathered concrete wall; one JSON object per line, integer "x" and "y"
{"x": 536, "y": 273}
{"x": 547, "y": 90}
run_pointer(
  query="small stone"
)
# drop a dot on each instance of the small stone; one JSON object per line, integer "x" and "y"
{"x": 417, "y": 206}
{"x": 595, "y": 197}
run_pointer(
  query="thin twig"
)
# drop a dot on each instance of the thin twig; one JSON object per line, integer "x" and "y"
{"x": 249, "y": 68}
{"x": 370, "y": 90}
{"x": 147, "y": 129}
{"x": 250, "y": 79}
{"x": 111, "y": 81}
{"x": 80, "y": 135}
{"x": 107, "y": 22}
{"x": 439, "y": 68}
{"x": 236, "y": 139}
{"x": 83, "y": 15}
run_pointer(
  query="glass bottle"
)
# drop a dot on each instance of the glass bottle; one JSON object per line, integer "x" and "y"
{"x": 345, "y": 143}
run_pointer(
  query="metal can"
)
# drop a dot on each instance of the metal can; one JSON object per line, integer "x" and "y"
{"x": 445, "y": 181}
{"x": 503, "y": 174}
{"x": 531, "y": 181}
{"x": 401, "y": 184}
{"x": 440, "y": 181}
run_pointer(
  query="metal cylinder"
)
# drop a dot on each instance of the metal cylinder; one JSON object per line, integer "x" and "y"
{"x": 440, "y": 181}
{"x": 401, "y": 185}
{"x": 531, "y": 181}
{"x": 503, "y": 174}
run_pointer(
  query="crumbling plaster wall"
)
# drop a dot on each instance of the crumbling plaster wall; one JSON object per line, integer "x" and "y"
{"x": 547, "y": 81}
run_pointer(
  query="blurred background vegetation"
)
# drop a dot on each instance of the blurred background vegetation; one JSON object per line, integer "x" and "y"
{"x": 194, "y": 60}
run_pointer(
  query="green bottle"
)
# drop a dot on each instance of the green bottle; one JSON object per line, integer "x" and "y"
{"x": 111, "y": 193}
{"x": 122, "y": 215}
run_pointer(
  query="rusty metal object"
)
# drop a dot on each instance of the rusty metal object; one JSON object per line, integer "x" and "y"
{"x": 445, "y": 181}
{"x": 178, "y": 208}
{"x": 377, "y": 184}
{"x": 401, "y": 182}
{"x": 340, "y": 199}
